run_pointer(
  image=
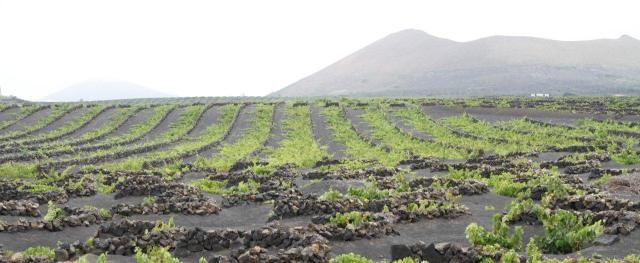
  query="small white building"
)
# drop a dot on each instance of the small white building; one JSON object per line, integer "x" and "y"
{"x": 539, "y": 94}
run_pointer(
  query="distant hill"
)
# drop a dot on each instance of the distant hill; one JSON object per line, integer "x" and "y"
{"x": 104, "y": 90}
{"x": 11, "y": 100}
{"x": 414, "y": 63}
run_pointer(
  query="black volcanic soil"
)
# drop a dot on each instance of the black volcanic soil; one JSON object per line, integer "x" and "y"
{"x": 320, "y": 186}
{"x": 404, "y": 127}
{"x": 360, "y": 126}
{"x": 324, "y": 136}
{"x": 254, "y": 216}
{"x": 9, "y": 114}
{"x": 210, "y": 117}
{"x": 134, "y": 120}
{"x": 624, "y": 187}
{"x": 22, "y": 240}
{"x": 244, "y": 121}
{"x": 241, "y": 217}
{"x": 164, "y": 126}
{"x": 276, "y": 134}
{"x": 506, "y": 114}
{"x": 428, "y": 231}
{"x": 29, "y": 120}
{"x": 67, "y": 117}
{"x": 96, "y": 123}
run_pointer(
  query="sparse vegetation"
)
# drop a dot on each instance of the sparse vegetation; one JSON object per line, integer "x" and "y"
{"x": 402, "y": 161}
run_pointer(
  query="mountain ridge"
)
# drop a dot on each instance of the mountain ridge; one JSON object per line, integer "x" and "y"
{"x": 413, "y": 62}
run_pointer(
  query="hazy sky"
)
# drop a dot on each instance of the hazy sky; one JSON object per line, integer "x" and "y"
{"x": 235, "y": 47}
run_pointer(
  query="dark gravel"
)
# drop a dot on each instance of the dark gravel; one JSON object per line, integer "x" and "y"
{"x": 29, "y": 120}
{"x": 324, "y": 136}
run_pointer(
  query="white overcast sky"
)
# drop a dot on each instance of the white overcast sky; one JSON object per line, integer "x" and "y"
{"x": 235, "y": 47}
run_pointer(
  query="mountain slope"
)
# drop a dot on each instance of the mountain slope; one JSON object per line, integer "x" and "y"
{"x": 413, "y": 63}
{"x": 104, "y": 90}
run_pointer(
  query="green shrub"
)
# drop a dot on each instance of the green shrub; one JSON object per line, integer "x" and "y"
{"x": 161, "y": 225}
{"x": 425, "y": 206}
{"x": 369, "y": 192}
{"x": 351, "y": 258}
{"x": 463, "y": 174}
{"x": 354, "y": 218}
{"x": 149, "y": 200}
{"x": 604, "y": 179}
{"x": 40, "y": 252}
{"x": 518, "y": 207}
{"x": 102, "y": 258}
{"x": 53, "y": 212}
{"x": 331, "y": 195}
{"x": 211, "y": 186}
{"x": 401, "y": 181}
{"x": 103, "y": 188}
{"x": 250, "y": 186}
{"x": 556, "y": 187}
{"x": 627, "y": 157}
{"x": 155, "y": 255}
{"x": 104, "y": 213}
{"x": 564, "y": 232}
{"x": 298, "y": 146}
{"x": 40, "y": 188}
{"x": 633, "y": 258}
{"x": 265, "y": 170}
{"x": 498, "y": 236}
{"x": 504, "y": 185}
{"x": 220, "y": 187}
{"x": 510, "y": 257}
{"x": 533, "y": 252}
{"x": 18, "y": 170}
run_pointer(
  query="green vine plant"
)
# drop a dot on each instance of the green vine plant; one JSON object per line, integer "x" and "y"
{"x": 565, "y": 232}
{"x": 496, "y": 238}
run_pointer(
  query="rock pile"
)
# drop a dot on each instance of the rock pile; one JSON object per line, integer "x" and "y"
{"x": 10, "y": 190}
{"x": 146, "y": 185}
{"x": 71, "y": 218}
{"x": 19, "y": 208}
{"x": 186, "y": 206}
{"x": 459, "y": 187}
{"x": 343, "y": 174}
{"x": 595, "y": 203}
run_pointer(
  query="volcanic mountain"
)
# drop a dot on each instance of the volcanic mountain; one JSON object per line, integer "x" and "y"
{"x": 414, "y": 63}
